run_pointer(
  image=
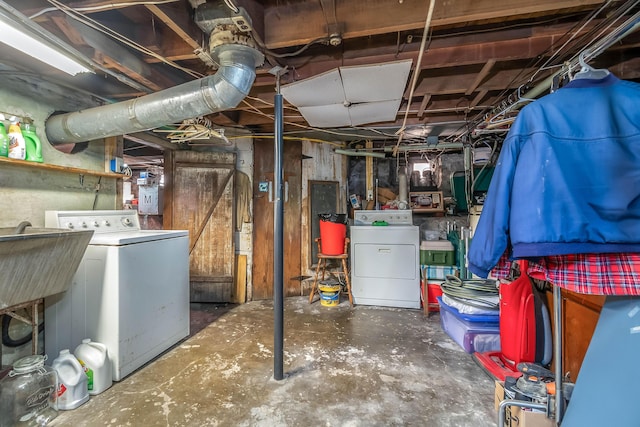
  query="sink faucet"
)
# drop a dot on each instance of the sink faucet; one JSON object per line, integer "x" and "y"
{"x": 20, "y": 228}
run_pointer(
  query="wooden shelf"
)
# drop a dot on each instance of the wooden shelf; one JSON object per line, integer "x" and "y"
{"x": 67, "y": 169}
{"x": 435, "y": 201}
{"x": 427, "y": 210}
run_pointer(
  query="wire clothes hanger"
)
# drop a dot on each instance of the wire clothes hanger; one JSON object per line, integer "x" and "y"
{"x": 588, "y": 72}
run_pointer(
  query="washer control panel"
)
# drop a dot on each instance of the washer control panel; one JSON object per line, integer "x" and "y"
{"x": 98, "y": 221}
{"x": 390, "y": 216}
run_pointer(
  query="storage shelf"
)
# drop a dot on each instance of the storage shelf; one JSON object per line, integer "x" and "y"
{"x": 435, "y": 198}
{"x": 427, "y": 210}
{"x": 67, "y": 169}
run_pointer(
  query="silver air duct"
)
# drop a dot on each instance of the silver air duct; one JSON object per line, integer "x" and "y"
{"x": 221, "y": 91}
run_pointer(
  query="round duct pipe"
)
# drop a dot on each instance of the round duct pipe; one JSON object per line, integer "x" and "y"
{"x": 219, "y": 92}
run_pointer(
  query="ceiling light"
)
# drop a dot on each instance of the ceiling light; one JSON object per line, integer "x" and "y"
{"x": 17, "y": 38}
{"x": 350, "y": 95}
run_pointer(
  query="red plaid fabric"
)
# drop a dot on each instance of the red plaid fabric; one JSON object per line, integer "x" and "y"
{"x": 597, "y": 274}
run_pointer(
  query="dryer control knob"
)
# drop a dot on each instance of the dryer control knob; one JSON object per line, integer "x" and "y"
{"x": 69, "y": 225}
{"x": 106, "y": 223}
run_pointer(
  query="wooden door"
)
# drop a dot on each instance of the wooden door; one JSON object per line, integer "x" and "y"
{"x": 263, "y": 206}
{"x": 199, "y": 197}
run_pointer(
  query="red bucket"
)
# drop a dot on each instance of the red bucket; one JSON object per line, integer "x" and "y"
{"x": 332, "y": 237}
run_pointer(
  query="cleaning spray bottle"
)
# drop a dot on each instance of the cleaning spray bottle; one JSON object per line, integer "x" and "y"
{"x": 17, "y": 146}
{"x": 32, "y": 142}
{"x": 4, "y": 139}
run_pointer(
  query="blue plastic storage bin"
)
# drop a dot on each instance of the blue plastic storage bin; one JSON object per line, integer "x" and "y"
{"x": 474, "y": 333}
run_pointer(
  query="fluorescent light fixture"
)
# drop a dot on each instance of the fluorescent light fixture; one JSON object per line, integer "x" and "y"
{"x": 39, "y": 50}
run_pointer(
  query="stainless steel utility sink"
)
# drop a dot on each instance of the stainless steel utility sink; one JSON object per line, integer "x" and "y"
{"x": 38, "y": 262}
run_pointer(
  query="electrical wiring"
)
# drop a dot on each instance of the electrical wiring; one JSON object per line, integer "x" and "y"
{"x": 324, "y": 40}
{"x": 80, "y": 17}
{"x": 255, "y": 110}
{"x": 574, "y": 35}
{"x": 507, "y": 103}
{"x": 296, "y": 138}
{"x": 109, "y": 6}
{"x": 601, "y": 41}
{"x": 270, "y": 104}
{"x": 232, "y": 6}
{"x": 578, "y": 37}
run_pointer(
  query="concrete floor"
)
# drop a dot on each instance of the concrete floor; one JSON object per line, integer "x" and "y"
{"x": 360, "y": 366}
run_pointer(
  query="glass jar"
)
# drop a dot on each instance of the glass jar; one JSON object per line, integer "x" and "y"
{"x": 28, "y": 393}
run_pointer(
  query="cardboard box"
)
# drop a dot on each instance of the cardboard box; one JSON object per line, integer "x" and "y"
{"x": 517, "y": 417}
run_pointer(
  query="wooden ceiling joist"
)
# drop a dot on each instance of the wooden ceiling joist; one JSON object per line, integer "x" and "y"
{"x": 481, "y": 76}
{"x": 374, "y": 17}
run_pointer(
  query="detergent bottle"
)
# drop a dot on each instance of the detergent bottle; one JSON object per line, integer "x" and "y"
{"x": 72, "y": 382}
{"x": 4, "y": 141}
{"x": 94, "y": 358}
{"x": 17, "y": 146}
{"x": 32, "y": 143}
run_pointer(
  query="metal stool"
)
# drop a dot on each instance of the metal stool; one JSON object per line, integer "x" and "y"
{"x": 322, "y": 264}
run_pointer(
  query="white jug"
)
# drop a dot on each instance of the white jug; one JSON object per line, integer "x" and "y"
{"x": 72, "y": 381}
{"x": 94, "y": 358}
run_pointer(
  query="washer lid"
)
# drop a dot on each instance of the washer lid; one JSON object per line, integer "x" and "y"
{"x": 137, "y": 236}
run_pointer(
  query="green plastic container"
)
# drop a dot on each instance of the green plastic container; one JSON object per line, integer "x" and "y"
{"x": 32, "y": 143}
{"x": 437, "y": 252}
{"x": 4, "y": 141}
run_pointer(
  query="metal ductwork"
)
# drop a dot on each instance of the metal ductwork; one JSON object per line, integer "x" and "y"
{"x": 224, "y": 90}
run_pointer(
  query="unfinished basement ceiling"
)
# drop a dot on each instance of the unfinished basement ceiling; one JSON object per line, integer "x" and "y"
{"x": 476, "y": 56}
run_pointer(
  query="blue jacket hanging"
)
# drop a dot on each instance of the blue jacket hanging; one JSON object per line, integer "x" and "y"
{"x": 567, "y": 179}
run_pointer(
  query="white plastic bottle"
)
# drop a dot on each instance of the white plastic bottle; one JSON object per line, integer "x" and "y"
{"x": 17, "y": 145}
{"x": 94, "y": 358}
{"x": 72, "y": 382}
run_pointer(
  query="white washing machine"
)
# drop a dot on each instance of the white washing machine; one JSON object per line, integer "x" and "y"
{"x": 130, "y": 292}
{"x": 385, "y": 259}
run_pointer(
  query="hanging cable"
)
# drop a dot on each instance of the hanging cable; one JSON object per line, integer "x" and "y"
{"x": 109, "y": 6}
{"x": 589, "y": 19}
{"x": 232, "y": 6}
{"x": 416, "y": 72}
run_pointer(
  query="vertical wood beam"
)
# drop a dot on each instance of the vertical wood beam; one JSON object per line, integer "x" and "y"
{"x": 114, "y": 147}
{"x": 369, "y": 172}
